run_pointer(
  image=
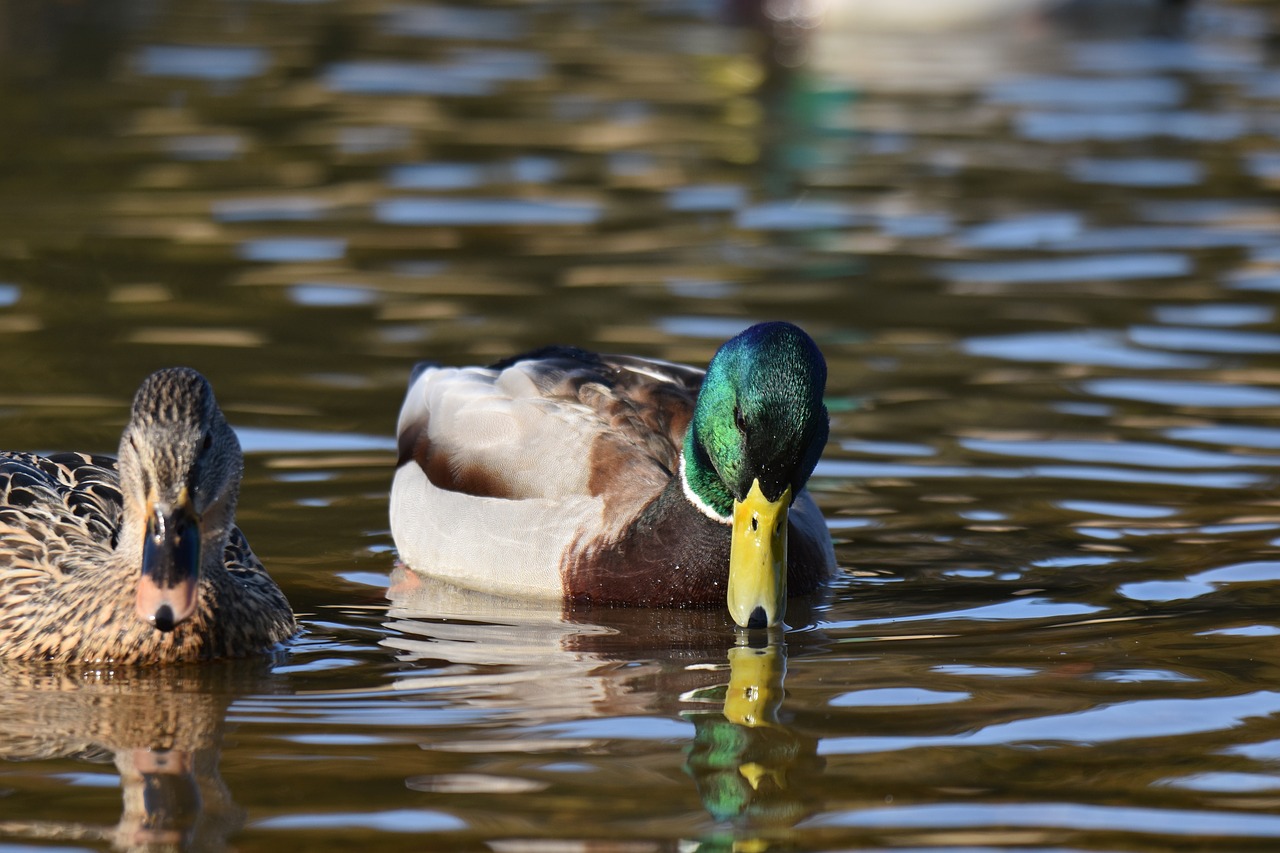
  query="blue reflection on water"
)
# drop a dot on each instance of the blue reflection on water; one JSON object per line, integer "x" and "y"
{"x": 1052, "y": 270}
{"x": 395, "y": 820}
{"x": 1243, "y": 631}
{"x": 1117, "y": 510}
{"x": 331, "y": 296}
{"x": 882, "y": 697}
{"x": 714, "y": 328}
{"x": 386, "y": 77}
{"x": 707, "y": 197}
{"x": 1214, "y": 314}
{"x": 1137, "y": 172}
{"x": 1029, "y": 607}
{"x": 1089, "y": 93}
{"x": 267, "y": 209}
{"x": 1079, "y": 346}
{"x": 1176, "y": 392}
{"x": 623, "y": 728}
{"x": 1262, "y": 437}
{"x": 1084, "y": 410}
{"x": 1137, "y": 56}
{"x": 485, "y": 211}
{"x": 455, "y": 22}
{"x": 1145, "y": 454}
{"x": 1108, "y": 723}
{"x": 1182, "y": 479}
{"x": 472, "y": 71}
{"x": 266, "y": 440}
{"x": 1079, "y": 126}
{"x": 1142, "y": 237}
{"x": 290, "y": 249}
{"x": 887, "y": 448}
{"x": 1023, "y": 232}
{"x": 1071, "y": 817}
{"x": 1202, "y": 583}
{"x": 1261, "y": 279}
{"x": 205, "y": 62}
{"x": 985, "y": 671}
{"x": 800, "y": 215}
{"x": 1225, "y": 783}
{"x": 436, "y": 176}
{"x": 1205, "y": 340}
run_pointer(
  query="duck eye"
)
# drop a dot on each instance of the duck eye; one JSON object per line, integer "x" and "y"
{"x": 739, "y": 421}
{"x": 208, "y": 441}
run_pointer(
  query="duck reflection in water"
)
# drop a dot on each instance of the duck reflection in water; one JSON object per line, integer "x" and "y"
{"x": 161, "y": 727}
{"x": 552, "y": 671}
{"x": 743, "y": 756}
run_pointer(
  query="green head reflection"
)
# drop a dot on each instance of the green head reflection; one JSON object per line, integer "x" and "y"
{"x": 748, "y": 766}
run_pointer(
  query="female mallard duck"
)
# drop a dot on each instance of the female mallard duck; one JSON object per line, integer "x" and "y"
{"x": 599, "y": 479}
{"x": 138, "y": 561}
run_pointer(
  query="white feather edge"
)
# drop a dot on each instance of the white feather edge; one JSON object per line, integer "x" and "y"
{"x": 505, "y": 547}
{"x": 513, "y": 548}
{"x": 701, "y": 505}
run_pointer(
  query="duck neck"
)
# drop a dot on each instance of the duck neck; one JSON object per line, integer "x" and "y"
{"x": 701, "y": 484}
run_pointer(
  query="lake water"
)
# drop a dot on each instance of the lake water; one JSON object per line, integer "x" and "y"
{"x": 1039, "y": 247}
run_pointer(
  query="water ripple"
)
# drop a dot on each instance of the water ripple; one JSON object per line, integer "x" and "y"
{"x": 1092, "y": 93}
{"x": 1137, "y": 720}
{"x": 485, "y": 211}
{"x": 456, "y": 22}
{"x": 1117, "y": 453}
{"x": 1063, "y": 270}
{"x": 1205, "y": 340}
{"x": 1079, "y": 346}
{"x": 1073, "y": 817}
{"x": 216, "y": 63}
{"x": 394, "y": 820}
{"x": 1174, "y": 392}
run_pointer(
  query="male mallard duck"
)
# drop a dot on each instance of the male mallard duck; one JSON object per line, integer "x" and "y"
{"x": 599, "y": 479}
{"x": 136, "y": 561}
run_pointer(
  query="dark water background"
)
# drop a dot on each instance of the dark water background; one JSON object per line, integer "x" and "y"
{"x": 1039, "y": 247}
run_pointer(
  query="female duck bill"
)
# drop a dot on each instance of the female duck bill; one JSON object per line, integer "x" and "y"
{"x": 170, "y": 565}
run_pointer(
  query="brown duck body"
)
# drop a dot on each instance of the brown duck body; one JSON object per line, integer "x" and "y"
{"x": 67, "y": 593}
{"x": 557, "y": 474}
{"x": 136, "y": 559}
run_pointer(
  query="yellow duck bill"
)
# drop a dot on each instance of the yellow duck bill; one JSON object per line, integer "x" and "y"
{"x": 758, "y": 559}
{"x": 170, "y": 566}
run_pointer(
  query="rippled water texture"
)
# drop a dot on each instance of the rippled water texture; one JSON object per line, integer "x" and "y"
{"x": 1039, "y": 247}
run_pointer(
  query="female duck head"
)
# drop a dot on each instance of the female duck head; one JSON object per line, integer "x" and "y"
{"x": 758, "y": 429}
{"x": 180, "y": 467}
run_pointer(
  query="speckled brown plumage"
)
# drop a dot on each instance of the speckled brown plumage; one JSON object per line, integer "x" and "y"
{"x": 73, "y": 527}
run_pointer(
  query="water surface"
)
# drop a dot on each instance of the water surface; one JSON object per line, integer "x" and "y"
{"x": 1038, "y": 247}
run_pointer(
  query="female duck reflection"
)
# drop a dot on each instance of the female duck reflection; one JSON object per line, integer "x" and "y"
{"x": 545, "y": 671}
{"x": 161, "y": 726}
